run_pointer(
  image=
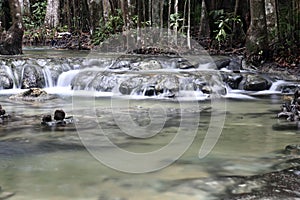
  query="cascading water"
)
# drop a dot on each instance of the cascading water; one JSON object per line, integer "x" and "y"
{"x": 147, "y": 76}
{"x": 65, "y": 78}
{"x": 11, "y": 75}
{"x": 47, "y": 77}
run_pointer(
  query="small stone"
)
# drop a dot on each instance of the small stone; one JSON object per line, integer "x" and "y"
{"x": 59, "y": 115}
{"x": 47, "y": 118}
{"x": 2, "y": 112}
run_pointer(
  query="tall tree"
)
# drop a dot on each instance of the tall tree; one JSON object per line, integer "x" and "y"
{"x": 11, "y": 43}
{"x": 155, "y": 13}
{"x": 176, "y": 20}
{"x": 271, "y": 19}
{"x": 96, "y": 12}
{"x": 189, "y": 25}
{"x": 204, "y": 24}
{"x": 257, "y": 36}
{"x": 52, "y": 13}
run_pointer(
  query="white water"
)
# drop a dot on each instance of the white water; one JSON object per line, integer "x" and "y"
{"x": 63, "y": 84}
{"x": 65, "y": 79}
{"x": 11, "y": 75}
{"x": 47, "y": 76}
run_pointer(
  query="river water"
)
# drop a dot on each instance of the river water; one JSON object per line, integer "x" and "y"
{"x": 37, "y": 162}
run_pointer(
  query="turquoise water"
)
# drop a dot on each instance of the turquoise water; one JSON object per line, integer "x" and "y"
{"x": 42, "y": 163}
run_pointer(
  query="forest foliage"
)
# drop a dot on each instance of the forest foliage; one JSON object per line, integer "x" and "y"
{"x": 267, "y": 28}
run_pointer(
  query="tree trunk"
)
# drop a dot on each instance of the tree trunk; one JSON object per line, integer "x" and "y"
{"x": 189, "y": 25}
{"x": 52, "y": 14}
{"x": 204, "y": 25}
{"x": 25, "y": 7}
{"x": 257, "y": 36}
{"x": 150, "y": 11}
{"x": 176, "y": 21}
{"x": 12, "y": 39}
{"x": 271, "y": 18}
{"x": 96, "y": 12}
{"x": 161, "y": 18}
{"x": 155, "y": 13}
{"x": 106, "y": 9}
{"x": 169, "y": 14}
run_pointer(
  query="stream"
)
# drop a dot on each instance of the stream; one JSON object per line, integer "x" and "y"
{"x": 143, "y": 114}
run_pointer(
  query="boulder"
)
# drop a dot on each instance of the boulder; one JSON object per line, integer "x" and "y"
{"x": 32, "y": 77}
{"x": 5, "y": 80}
{"x": 222, "y": 62}
{"x": 233, "y": 80}
{"x": 47, "y": 118}
{"x": 127, "y": 86}
{"x": 59, "y": 115}
{"x": 256, "y": 82}
{"x": 147, "y": 65}
{"x": 33, "y": 94}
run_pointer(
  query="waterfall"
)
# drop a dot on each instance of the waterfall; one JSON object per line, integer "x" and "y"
{"x": 276, "y": 85}
{"x": 47, "y": 76}
{"x": 65, "y": 78}
{"x": 10, "y": 74}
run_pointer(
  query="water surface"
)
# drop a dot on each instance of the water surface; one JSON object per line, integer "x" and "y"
{"x": 44, "y": 163}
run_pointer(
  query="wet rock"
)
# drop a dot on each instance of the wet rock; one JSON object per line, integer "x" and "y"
{"x": 184, "y": 64}
{"x": 256, "y": 83}
{"x": 3, "y": 116}
{"x": 5, "y": 80}
{"x": 235, "y": 64}
{"x": 291, "y": 108}
{"x": 275, "y": 185}
{"x": 60, "y": 119}
{"x": 233, "y": 80}
{"x": 104, "y": 82}
{"x": 147, "y": 65}
{"x": 59, "y": 115}
{"x": 127, "y": 86}
{"x": 47, "y": 118}
{"x": 2, "y": 111}
{"x": 222, "y": 63}
{"x": 33, "y": 94}
{"x": 292, "y": 149}
{"x": 32, "y": 77}
{"x": 150, "y": 91}
{"x": 289, "y": 88}
{"x": 152, "y": 51}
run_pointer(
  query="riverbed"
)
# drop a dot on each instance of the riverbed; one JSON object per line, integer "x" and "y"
{"x": 39, "y": 163}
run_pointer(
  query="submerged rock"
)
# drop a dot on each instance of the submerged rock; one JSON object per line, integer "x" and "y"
{"x": 3, "y": 116}
{"x": 275, "y": 185}
{"x": 33, "y": 94}
{"x": 293, "y": 149}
